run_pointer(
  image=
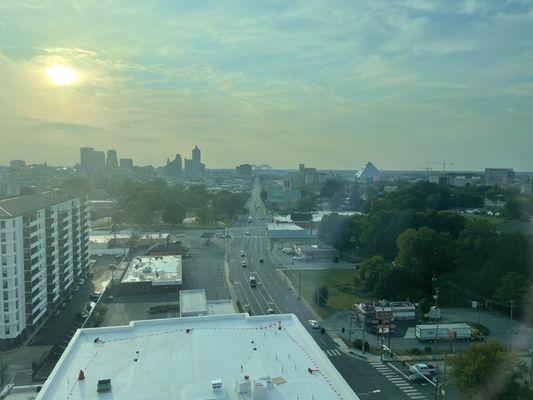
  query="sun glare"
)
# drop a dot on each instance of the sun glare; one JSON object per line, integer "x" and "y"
{"x": 61, "y": 76}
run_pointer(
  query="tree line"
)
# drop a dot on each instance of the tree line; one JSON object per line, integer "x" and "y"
{"x": 143, "y": 203}
{"x": 410, "y": 236}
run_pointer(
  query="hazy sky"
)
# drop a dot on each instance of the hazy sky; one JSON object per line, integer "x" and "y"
{"x": 329, "y": 83}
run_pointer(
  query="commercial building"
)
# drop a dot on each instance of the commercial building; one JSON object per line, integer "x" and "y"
{"x": 502, "y": 177}
{"x": 368, "y": 173}
{"x": 174, "y": 168}
{"x": 194, "y": 168}
{"x": 287, "y": 231}
{"x": 111, "y": 160}
{"x": 244, "y": 171}
{"x": 17, "y": 165}
{"x": 44, "y": 250}
{"x": 91, "y": 161}
{"x": 153, "y": 273}
{"x": 214, "y": 357}
{"x": 126, "y": 163}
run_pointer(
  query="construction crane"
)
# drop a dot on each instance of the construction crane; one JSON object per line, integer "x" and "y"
{"x": 443, "y": 163}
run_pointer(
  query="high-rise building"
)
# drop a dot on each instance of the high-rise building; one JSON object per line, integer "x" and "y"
{"x": 126, "y": 163}
{"x": 98, "y": 160}
{"x": 244, "y": 171}
{"x": 90, "y": 160}
{"x": 111, "y": 160}
{"x": 86, "y": 157}
{"x": 44, "y": 250}
{"x": 17, "y": 165}
{"x": 188, "y": 167}
{"x": 174, "y": 168}
{"x": 194, "y": 168}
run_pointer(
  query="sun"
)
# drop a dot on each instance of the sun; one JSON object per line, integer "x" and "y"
{"x": 62, "y": 76}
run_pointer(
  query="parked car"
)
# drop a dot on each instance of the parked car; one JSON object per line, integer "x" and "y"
{"x": 247, "y": 233}
{"x": 270, "y": 310}
{"x": 56, "y": 313}
{"x": 421, "y": 368}
{"x": 82, "y": 281}
{"x": 261, "y": 260}
{"x": 94, "y": 296}
{"x": 76, "y": 288}
{"x": 243, "y": 263}
{"x": 243, "y": 253}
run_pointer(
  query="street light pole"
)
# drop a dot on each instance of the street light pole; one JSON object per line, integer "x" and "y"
{"x": 437, "y": 327}
{"x": 531, "y": 367}
{"x": 510, "y": 326}
{"x": 299, "y": 282}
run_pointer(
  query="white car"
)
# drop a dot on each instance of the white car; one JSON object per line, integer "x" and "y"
{"x": 423, "y": 369}
{"x": 314, "y": 324}
{"x": 180, "y": 234}
{"x": 296, "y": 258}
{"x": 247, "y": 233}
{"x": 243, "y": 253}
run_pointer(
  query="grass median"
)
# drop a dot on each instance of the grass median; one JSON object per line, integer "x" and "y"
{"x": 340, "y": 284}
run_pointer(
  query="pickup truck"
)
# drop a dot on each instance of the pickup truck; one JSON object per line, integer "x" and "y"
{"x": 427, "y": 370}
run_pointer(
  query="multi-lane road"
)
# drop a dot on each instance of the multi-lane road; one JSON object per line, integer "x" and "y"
{"x": 271, "y": 294}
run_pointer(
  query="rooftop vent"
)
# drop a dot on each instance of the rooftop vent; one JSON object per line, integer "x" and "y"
{"x": 216, "y": 384}
{"x": 104, "y": 385}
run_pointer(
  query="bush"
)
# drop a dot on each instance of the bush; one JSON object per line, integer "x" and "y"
{"x": 428, "y": 349}
{"x": 414, "y": 351}
{"x": 358, "y": 343}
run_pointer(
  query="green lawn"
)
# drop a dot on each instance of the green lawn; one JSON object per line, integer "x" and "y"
{"x": 342, "y": 291}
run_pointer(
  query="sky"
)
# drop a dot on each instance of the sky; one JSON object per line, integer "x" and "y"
{"x": 333, "y": 84}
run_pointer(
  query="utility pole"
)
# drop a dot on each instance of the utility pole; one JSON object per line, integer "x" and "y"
{"x": 510, "y": 325}
{"x": 299, "y": 282}
{"x": 531, "y": 367}
{"x": 437, "y": 328}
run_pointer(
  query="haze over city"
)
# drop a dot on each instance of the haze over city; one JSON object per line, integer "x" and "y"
{"x": 332, "y": 84}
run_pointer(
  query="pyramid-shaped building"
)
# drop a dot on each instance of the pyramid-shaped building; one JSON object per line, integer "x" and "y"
{"x": 368, "y": 172}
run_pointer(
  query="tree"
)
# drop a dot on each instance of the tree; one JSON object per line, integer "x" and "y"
{"x": 513, "y": 209}
{"x": 263, "y": 195}
{"x": 370, "y": 272}
{"x": 424, "y": 306}
{"x": 423, "y": 252}
{"x": 307, "y": 203}
{"x": 322, "y": 295}
{"x": 331, "y": 188}
{"x": 174, "y": 213}
{"x": 487, "y": 371}
{"x": 513, "y": 286}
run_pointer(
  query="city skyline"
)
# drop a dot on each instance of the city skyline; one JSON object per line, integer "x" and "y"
{"x": 271, "y": 82}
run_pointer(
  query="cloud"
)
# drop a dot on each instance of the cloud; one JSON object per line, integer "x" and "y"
{"x": 332, "y": 84}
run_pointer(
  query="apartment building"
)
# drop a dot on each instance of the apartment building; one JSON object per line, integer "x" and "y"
{"x": 44, "y": 250}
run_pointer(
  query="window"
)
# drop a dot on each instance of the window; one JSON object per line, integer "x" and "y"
{"x": 7, "y": 330}
{"x": 6, "y": 307}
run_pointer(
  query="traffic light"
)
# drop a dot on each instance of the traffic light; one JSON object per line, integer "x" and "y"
{"x": 342, "y": 329}
{"x": 322, "y": 330}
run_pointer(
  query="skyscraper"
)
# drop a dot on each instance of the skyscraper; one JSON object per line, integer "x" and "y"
{"x": 112, "y": 160}
{"x": 86, "y": 156}
{"x": 174, "y": 168}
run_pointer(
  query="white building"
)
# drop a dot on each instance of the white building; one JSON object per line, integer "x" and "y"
{"x": 216, "y": 357}
{"x": 153, "y": 273}
{"x": 44, "y": 243}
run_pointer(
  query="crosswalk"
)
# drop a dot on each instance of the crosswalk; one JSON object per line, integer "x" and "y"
{"x": 333, "y": 352}
{"x": 398, "y": 381}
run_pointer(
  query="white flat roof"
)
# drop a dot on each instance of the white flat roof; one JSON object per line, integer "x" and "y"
{"x": 284, "y": 227}
{"x": 179, "y": 358}
{"x": 160, "y": 270}
{"x": 193, "y": 302}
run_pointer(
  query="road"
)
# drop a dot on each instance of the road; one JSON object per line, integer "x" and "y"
{"x": 272, "y": 293}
